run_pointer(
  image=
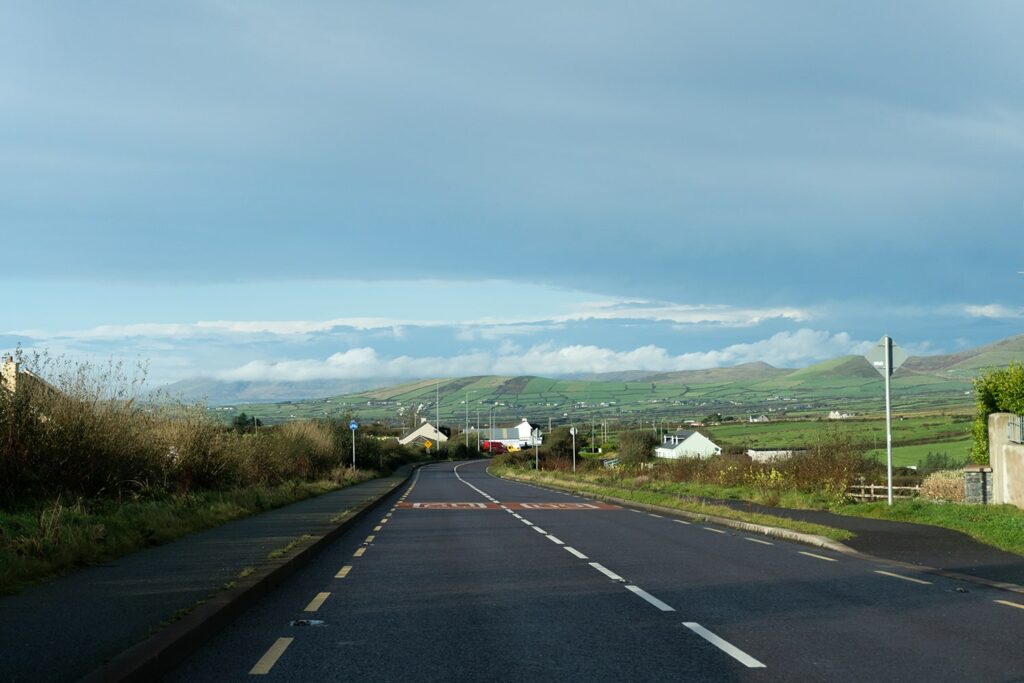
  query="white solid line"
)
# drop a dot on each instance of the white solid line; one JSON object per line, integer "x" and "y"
{"x": 905, "y": 578}
{"x": 539, "y": 530}
{"x": 817, "y": 557}
{"x": 758, "y": 540}
{"x": 607, "y": 572}
{"x": 650, "y": 598}
{"x": 717, "y": 531}
{"x": 725, "y": 646}
{"x": 679, "y": 521}
{"x": 577, "y": 553}
{"x": 555, "y": 540}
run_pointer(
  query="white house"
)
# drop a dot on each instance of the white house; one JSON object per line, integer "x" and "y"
{"x": 425, "y": 432}
{"x": 687, "y": 443}
{"x": 520, "y": 436}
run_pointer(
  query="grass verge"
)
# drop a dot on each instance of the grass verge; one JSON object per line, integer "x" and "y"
{"x": 47, "y": 539}
{"x": 663, "y": 498}
{"x": 1001, "y": 526}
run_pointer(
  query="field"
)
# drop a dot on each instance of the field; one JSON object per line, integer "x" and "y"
{"x": 847, "y": 384}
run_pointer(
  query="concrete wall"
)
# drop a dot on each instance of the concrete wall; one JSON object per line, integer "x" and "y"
{"x": 1007, "y": 462}
{"x": 9, "y": 375}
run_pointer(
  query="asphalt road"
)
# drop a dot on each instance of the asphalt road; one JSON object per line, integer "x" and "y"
{"x": 520, "y": 583}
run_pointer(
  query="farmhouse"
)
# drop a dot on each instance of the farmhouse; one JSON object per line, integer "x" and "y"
{"x": 520, "y": 436}
{"x": 687, "y": 443}
{"x": 425, "y": 432}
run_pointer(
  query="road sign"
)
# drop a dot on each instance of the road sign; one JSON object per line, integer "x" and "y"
{"x": 353, "y": 425}
{"x": 572, "y": 430}
{"x": 428, "y": 443}
{"x": 876, "y": 356}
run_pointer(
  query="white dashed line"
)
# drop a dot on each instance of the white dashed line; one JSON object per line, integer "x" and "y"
{"x": 758, "y": 540}
{"x": 526, "y": 521}
{"x": 905, "y": 578}
{"x": 607, "y": 572}
{"x": 539, "y": 530}
{"x": 654, "y": 515}
{"x": 650, "y": 598}
{"x": 679, "y": 521}
{"x": 555, "y": 540}
{"x": 817, "y": 557}
{"x": 725, "y": 646}
{"x": 717, "y": 531}
{"x": 575, "y": 552}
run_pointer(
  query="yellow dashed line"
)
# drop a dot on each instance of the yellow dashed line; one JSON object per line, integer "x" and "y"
{"x": 343, "y": 572}
{"x": 268, "y": 660}
{"x": 315, "y": 603}
{"x": 359, "y": 552}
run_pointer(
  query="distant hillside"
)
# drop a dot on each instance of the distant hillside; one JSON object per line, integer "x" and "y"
{"x": 966, "y": 364}
{"x": 848, "y": 383}
{"x": 219, "y": 392}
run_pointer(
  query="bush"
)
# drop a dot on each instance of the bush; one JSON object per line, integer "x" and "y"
{"x": 636, "y": 445}
{"x": 945, "y": 485}
{"x": 995, "y": 391}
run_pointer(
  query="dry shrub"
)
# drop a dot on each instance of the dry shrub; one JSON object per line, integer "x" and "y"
{"x": 944, "y": 485}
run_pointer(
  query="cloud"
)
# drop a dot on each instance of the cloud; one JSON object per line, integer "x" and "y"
{"x": 994, "y": 311}
{"x": 785, "y": 349}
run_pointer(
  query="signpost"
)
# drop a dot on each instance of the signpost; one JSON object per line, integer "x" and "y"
{"x": 536, "y": 454}
{"x": 353, "y": 425}
{"x": 427, "y": 444}
{"x": 573, "y": 432}
{"x": 885, "y": 358}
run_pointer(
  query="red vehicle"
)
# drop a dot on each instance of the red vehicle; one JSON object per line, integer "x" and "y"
{"x": 493, "y": 447}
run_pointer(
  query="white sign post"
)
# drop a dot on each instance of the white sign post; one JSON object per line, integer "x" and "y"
{"x": 536, "y": 452}
{"x": 353, "y": 425}
{"x": 573, "y": 432}
{"x": 885, "y": 358}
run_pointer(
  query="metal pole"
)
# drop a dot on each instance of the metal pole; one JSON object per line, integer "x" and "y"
{"x": 353, "y": 450}
{"x": 536, "y": 453}
{"x": 478, "y": 427}
{"x": 574, "y": 449}
{"x": 888, "y": 414}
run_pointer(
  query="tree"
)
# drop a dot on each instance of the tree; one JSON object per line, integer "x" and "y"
{"x": 996, "y": 391}
{"x": 636, "y": 445}
{"x": 244, "y": 423}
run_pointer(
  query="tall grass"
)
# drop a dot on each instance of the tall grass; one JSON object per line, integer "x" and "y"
{"x": 84, "y": 432}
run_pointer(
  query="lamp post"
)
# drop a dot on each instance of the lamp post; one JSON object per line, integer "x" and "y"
{"x": 573, "y": 432}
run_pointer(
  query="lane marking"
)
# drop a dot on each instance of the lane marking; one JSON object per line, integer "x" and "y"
{"x": 654, "y": 515}
{"x": 717, "y": 531}
{"x": 758, "y": 540}
{"x": 679, "y": 521}
{"x": 369, "y": 539}
{"x": 378, "y": 527}
{"x": 343, "y": 572}
{"x": 650, "y": 598}
{"x": 539, "y": 530}
{"x": 384, "y": 521}
{"x": 390, "y": 513}
{"x": 1010, "y": 604}
{"x": 526, "y": 521}
{"x": 315, "y": 603}
{"x": 636, "y": 511}
{"x": 555, "y": 540}
{"x": 269, "y": 659}
{"x": 577, "y": 553}
{"x": 516, "y": 515}
{"x": 817, "y": 557}
{"x": 905, "y": 578}
{"x": 724, "y": 645}
{"x": 359, "y": 552}
{"x": 607, "y": 572}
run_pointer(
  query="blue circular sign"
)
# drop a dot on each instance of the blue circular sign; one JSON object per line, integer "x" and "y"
{"x": 353, "y": 425}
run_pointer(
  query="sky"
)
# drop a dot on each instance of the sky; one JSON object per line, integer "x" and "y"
{"x": 314, "y": 190}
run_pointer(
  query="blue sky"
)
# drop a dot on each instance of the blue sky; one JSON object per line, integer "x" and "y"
{"x": 269, "y": 190}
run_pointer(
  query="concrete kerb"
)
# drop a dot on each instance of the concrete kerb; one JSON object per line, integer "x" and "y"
{"x": 158, "y": 654}
{"x": 787, "y": 535}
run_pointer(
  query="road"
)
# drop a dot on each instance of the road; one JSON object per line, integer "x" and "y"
{"x": 462, "y": 576}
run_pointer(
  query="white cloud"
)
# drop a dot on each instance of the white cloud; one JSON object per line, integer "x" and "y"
{"x": 785, "y": 349}
{"x": 993, "y": 311}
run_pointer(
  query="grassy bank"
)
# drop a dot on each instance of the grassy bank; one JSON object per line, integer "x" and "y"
{"x": 666, "y": 495}
{"x": 1001, "y": 526}
{"x": 42, "y": 540}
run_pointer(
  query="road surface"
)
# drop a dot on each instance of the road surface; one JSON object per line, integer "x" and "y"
{"x": 462, "y": 576}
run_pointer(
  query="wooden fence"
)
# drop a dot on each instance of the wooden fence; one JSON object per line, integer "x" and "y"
{"x": 881, "y": 492}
